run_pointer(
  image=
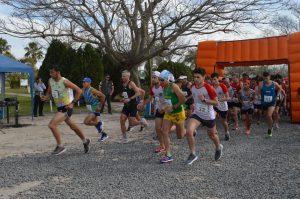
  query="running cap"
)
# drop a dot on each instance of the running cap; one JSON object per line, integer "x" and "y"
{"x": 87, "y": 79}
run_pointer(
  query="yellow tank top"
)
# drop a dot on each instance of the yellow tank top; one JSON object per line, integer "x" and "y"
{"x": 62, "y": 95}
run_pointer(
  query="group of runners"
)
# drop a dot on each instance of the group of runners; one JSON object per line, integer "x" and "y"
{"x": 180, "y": 106}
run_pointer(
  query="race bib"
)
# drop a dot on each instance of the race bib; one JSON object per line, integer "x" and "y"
{"x": 89, "y": 107}
{"x": 156, "y": 99}
{"x": 268, "y": 98}
{"x": 247, "y": 103}
{"x": 184, "y": 93}
{"x": 202, "y": 107}
{"x": 55, "y": 94}
{"x": 125, "y": 95}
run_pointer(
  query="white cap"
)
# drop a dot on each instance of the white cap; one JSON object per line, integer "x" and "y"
{"x": 156, "y": 73}
{"x": 182, "y": 77}
{"x": 165, "y": 74}
{"x": 171, "y": 78}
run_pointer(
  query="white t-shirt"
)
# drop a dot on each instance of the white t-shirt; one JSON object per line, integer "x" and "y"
{"x": 202, "y": 109}
{"x": 157, "y": 94}
{"x": 221, "y": 90}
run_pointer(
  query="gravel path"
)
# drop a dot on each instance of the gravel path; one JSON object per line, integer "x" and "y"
{"x": 252, "y": 167}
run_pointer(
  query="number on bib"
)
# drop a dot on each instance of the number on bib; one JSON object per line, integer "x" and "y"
{"x": 124, "y": 94}
{"x": 201, "y": 107}
{"x": 268, "y": 98}
{"x": 55, "y": 94}
{"x": 89, "y": 107}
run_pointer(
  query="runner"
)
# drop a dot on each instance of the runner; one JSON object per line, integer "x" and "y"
{"x": 269, "y": 91}
{"x": 222, "y": 108}
{"x": 246, "y": 97}
{"x": 204, "y": 99}
{"x": 61, "y": 89}
{"x": 230, "y": 102}
{"x": 130, "y": 92}
{"x": 257, "y": 101}
{"x": 185, "y": 87}
{"x": 280, "y": 102}
{"x": 174, "y": 112}
{"x": 92, "y": 98}
{"x": 156, "y": 95}
{"x": 236, "y": 104}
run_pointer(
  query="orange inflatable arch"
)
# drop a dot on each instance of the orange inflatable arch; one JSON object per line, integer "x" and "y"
{"x": 214, "y": 56}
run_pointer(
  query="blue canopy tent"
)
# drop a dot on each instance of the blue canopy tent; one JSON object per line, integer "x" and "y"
{"x": 8, "y": 65}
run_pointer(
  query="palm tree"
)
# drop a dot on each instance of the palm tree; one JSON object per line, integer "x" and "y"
{"x": 4, "y": 47}
{"x": 33, "y": 52}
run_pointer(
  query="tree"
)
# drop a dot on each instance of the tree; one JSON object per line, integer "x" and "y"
{"x": 130, "y": 32}
{"x": 5, "y": 48}
{"x": 33, "y": 53}
{"x": 176, "y": 69}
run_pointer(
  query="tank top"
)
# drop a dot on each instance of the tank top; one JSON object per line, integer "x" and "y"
{"x": 157, "y": 94}
{"x": 127, "y": 93}
{"x": 268, "y": 94}
{"x": 171, "y": 98}
{"x": 61, "y": 94}
{"x": 247, "y": 99}
{"x": 92, "y": 102}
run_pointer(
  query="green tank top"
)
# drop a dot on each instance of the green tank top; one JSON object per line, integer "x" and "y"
{"x": 172, "y": 98}
{"x": 62, "y": 95}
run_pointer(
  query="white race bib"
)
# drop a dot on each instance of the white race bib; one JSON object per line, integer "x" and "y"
{"x": 89, "y": 107}
{"x": 202, "y": 107}
{"x": 268, "y": 98}
{"x": 247, "y": 103}
{"x": 55, "y": 94}
{"x": 184, "y": 93}
{"x": 124, "y": 94}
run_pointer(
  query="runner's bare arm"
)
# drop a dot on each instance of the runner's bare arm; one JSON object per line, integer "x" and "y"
{"x": 72, "y": 86}
{"x": 99, "y": 94}
{"x": 136, "y": 90}
{"x": 48, "y": 93}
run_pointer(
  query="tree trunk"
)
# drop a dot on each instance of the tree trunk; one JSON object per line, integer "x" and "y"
{"x": 135, "y": 76}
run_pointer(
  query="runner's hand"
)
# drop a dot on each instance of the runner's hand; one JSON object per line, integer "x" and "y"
{"x": 126, "y": 100}
{"x": 201, "y": 97}
{"x": 70, "y": 106}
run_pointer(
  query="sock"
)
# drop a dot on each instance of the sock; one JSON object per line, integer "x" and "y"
{"x": 60, "y": 145}
{"x": 99, "y": 127}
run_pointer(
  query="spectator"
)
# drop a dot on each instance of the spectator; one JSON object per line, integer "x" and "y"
{"x": 39, "y": 88}
{"x": 107, "y": 88}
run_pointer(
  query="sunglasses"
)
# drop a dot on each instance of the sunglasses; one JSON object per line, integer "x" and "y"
{"x": 162, "y": 80}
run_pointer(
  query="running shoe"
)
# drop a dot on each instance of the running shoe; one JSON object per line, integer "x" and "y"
{"x": 276, "y": 126}
{"x": 247, "y": 132}
{"x": 166, "y": 158}
{"x": 269, "y": 134}
{"x": 159, "y": 149}
{"x": 86, "y": 145}
{"x": 58, "y": 150}
{"x": 141, "y": 129}
{"x": 129, "y": 129}
{"x": 227, "y": 136}
{"x": 236, "y": 128}
{"x": 144, "y": 122}
{"x": 219, "y": 153}
{"x": 191, "y": 159}
{"x": 103, "y": 137}
{"x": 124, "y": 140}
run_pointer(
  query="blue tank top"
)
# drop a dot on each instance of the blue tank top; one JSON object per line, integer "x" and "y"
{"x": 89, "y": 98}
{"x": 268, "y": 94}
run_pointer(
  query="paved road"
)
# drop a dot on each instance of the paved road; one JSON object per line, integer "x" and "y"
{"x": 252, "y": 167}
